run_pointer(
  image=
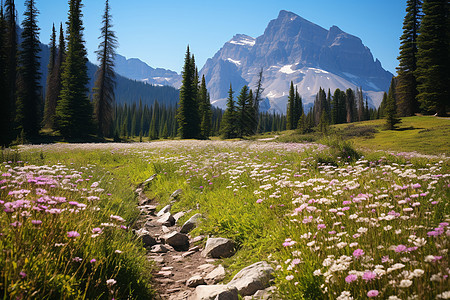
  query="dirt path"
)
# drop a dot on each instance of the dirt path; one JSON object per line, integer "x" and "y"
{"x": 174, "y": 267}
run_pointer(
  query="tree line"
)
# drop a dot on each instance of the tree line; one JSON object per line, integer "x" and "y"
{"x": 67, "y": 107}
{"x": 423, "y": 81}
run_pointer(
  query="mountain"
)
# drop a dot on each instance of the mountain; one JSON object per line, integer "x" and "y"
{"x": 295, "y": 49}
{"x": 127, "y": 90}
{"x": 136, "y": 69}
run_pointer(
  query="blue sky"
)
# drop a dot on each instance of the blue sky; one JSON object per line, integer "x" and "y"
{"x": 158, "y": 32}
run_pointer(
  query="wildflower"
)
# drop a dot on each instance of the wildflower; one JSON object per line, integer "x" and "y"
{"x": 97, "y": 230}
{"x": 259, "y": 201}
{"x": 405, "y": 283}
{"x": 110, "y": 282}
{"x": 72, "y": 234}
{"x": 321, "y": 226}
{"x": 289, "y": 277}
{"x": 92, "y": 260}
{"x": 358, "y": 252}
{"x": 36, "y": 222}
{"x": 350, "y": 278}
{"x": 400, "y": 248}
{"x": 372, "y": 293}
{"x": 117, "y": 218}
{"x": 444, "y": 295}
{"x": 22, "y": 274}
{"x": 16, "y": 224}
{"x": 77, "y": 259}
{"x": 345, "y": 295}
{"x": 288, "y": 243}
{"x": 369, "y": 275}
{"x": 118, "y": 251}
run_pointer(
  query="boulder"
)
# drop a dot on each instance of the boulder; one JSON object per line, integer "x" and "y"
{"x": 163, "y": 211}
{"x": 195, "y": 281}
{"x": 191, "y": 223}
{"x": 178, "y": 241}
{"x": 252, "y": 278}
{"x": 215, "y": 275}
{"x": 219, "y": 248}
{"x": 214, "y": 292}
{"x": 166, "y": 219}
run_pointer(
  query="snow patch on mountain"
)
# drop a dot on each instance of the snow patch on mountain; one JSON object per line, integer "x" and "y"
{"x": 236, "y": 62}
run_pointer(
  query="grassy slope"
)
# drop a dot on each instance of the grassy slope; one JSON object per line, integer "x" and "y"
{"x": 424, "y": 134}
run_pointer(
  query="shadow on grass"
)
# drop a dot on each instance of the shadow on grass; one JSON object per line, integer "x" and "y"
{"x": 408, "y": 128}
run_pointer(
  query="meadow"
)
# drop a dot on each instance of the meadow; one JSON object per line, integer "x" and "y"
{"x": 336, "y": 223}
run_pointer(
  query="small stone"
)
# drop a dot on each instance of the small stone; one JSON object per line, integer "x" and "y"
{"x": 174, "y": 290}
{"x": 164, "y": 273}
{"x": 215, "y": 292}
{"x": 158, "y": 259}
{"x": 197, "y": 239}
{"x": 191, "y": 223}
{"x": 177, "y": 240}
{"x": 178, "y": 215}
{"x": 145, "y": 237}
{"x": 195, "y": 248}
{"x": 165, "y": 210}
{"x": 215, "y": 275}
{"x": 166, "y": 268}
{"x": 219, "y": 248}
{"x": 186, "y": 254}
{"x": 165, "y": 229}
{"x": 176, "y": 193}
{"x": 195, "y": 281}
{"x": 206, "y": 267}
{"x": 159, "y": 249}
{"x": 166, "y": 219}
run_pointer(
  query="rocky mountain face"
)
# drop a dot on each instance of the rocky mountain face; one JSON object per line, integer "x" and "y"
{"x": 294, "y": 49}
{"x": 136, "y": 69}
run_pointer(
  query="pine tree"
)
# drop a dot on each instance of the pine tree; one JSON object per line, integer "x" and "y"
{"x": 28, "y": 98}
{"x": 433, "y": 57}
{"x": 407, "y": 84}
{"x": 382, "y": 107}
{"x": 360, "y": 101}
{"x": 350, "y": 105}
{"x": 74, "y": 110}
{"x": 258, "y": 97}
{"x": 9, "y": 46}
{"x": 51, "y": 96}
{"x": 3, "y": 81}
{"x": 205, "y": 110}
{"x": 105, "y": 77}
{"x": 301, "y": 126}
{"x": 229, "y": 121}
{"x": 188, "y": 116}
{"x": 291, "y": 109}
{"x": 390, "y": 110}
{"x": 243, "y": 111}
{"x": 298, "y": 107}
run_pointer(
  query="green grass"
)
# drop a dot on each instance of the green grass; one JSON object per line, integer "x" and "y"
{"x": 422, "y": 134}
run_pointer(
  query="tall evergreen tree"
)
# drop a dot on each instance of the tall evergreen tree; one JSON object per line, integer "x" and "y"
{"x": 433, "y": 57}
{"x": 243, "y": 111}
{"x": 105, "y": 76}
{"x": 10, "y": 70}
{"x": 188, "y": 113}
{"x": 205, "y": 110}
{"x": 28, "y": 98}
{"x": 290, "y": 112}
{"x": 407, "y": 84}
{"x": 74, "y": 110}
{"x": 350, "y": 105}
{"x": 229, "y": 128}
{"x": 258, "y": 97}
{"x": 3, "y": 81}
{"x": 390, "y": 110}
{"x": 51, "y": 95}
{"x": 382, "y": 107}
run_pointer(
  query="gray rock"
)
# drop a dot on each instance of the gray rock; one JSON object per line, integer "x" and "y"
{"x": 197, "y": 239}
{"x": 163, "y": 211}
{"x": 159, "y": 249}
{"x": 148, "y": 180}
{"x": 195, "y": 281}
{"x": 176, "y": 193}
{"x": 252, "y": 278}
{"x": 191, "y": 223}
{"x": 145, "y": 237}
{"x": 214, "y": 292}
{"x": 178, "y": 215}
{"x": 177, "y": 240}
{"x": 166, "y": 219}
{"x": 216, "y": 275}
{"x": 219, "y": 248}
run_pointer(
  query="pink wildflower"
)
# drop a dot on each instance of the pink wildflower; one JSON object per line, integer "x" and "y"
{"x": 350, "y": 278}
{"x": 36, "y": 222}
{"x": 72, "y": 234}
{"x": 372, "y": 293}
{"x": 358, "y": 252}
{"x": 400, "y": 248}
{"x": 369, "y": 275}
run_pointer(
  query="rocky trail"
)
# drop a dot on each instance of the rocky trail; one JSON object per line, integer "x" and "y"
{"x": 187, "y": 270}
